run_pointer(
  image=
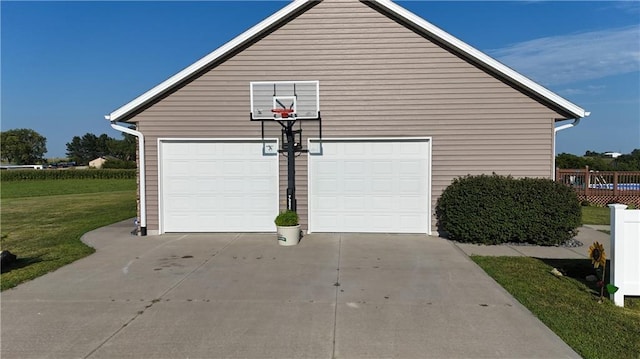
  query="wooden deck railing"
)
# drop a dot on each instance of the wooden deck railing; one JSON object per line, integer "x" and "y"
{"x": 603, "y": 187}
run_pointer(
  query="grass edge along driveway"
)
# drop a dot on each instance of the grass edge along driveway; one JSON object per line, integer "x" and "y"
{"x": 569, "y": 305}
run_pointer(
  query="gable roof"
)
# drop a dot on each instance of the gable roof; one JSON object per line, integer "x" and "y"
{"x": 420, "y": 25}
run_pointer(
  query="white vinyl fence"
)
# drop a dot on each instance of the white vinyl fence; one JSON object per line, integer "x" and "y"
{"x": 625, "y": 248}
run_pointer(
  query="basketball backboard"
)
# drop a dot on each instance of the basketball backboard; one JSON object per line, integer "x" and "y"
{"x": 276, "y": 100}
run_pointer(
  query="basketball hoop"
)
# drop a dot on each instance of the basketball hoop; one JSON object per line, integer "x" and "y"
{"x": 291, "y": 102}
{"x": 283, "y": 112}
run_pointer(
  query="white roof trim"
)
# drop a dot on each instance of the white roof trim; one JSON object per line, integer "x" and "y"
{"x": 433, "y": 30}
{"x": 203, "y": 62}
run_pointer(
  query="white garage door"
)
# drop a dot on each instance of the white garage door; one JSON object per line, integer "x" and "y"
{"x": 218, "y": 186}
{"x": 370, "y": 186}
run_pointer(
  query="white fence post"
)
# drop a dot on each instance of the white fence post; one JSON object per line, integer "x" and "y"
{"x": 625, "y": 252}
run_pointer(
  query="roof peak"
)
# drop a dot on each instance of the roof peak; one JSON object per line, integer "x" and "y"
{"x": 567, "y": 108}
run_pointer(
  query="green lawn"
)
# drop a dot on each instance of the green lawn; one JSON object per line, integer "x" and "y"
{"x": 42, "y": 221}
{"x": 596, "y": 215}
{"x": 569, "y": 305}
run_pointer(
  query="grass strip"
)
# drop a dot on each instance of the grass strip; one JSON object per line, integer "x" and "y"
{"x": 38, "y": 188}
{"x": 569, "y": 305}
{"x": 596, "y": 215}
{"x": 45, "y": 231}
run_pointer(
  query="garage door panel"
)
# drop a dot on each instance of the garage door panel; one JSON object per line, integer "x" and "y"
{"x": 217, "y": 186}
{"x": 350, "y": 185}
{"x": 370, "y": 186}
{"x": 324, "y": 221}
{"x": 414, "y": 167}
{"x": 355, "y": 203}
{"x": 353, "y": 167}
{"x": 327, "y": 168}
{"x": 233, "y": 167}
{"x": 231, "y": 203}
{"x": 381, "y": 222}
{"x": 260, "y": 203}
{"x": 180, "y": 203}
{"x": 382, "y": 148}
{"x": 411, "y": 185}
{"x": 381, "y": 203}
{"x": 381, "y": 168}
{"x": 177, "y": 167}
{"x": 327, "y": 203}
{"x": 327, "y": 185}
{"x": 410, "y": 221}
{"x": 409, "y": 204}
{"x": 178, "y": 186}
{"x": 381, "y": 185}
{"x": 261, "y": 185}
{"x": 232, "y": 184}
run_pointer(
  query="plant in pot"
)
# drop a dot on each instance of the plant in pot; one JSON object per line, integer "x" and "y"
{"x": 288, "y": 228}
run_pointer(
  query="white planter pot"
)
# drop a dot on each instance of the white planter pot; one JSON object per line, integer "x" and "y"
{"x": 288, "y": 236}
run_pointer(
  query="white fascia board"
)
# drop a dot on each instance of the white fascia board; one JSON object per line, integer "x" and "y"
{"x": 481, "y": 57}
{"x": 208, "y": 59}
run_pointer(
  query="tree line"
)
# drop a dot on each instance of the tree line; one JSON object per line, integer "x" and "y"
{"x": 89, "y": 147}
{"x": 600, "y": 162}
{"x": 26, "y": 147}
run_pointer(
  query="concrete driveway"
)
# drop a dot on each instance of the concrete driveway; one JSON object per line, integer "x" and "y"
{"x": 244, "y": 296}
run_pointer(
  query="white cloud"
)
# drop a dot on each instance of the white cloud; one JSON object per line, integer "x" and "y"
{"x": 578, "y": 57}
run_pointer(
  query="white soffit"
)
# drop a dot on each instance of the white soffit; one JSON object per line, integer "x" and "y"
{"x": 398, "y": 10}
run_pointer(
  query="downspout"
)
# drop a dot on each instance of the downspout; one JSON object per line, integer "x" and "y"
{"x": 575, "y": 122}
{"x": 143, "y": 189}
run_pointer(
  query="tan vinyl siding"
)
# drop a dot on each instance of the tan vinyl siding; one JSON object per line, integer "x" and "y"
{"x": 377, "y": 79}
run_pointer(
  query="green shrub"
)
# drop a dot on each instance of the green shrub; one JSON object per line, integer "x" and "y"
{"x": 287, "y": 219}
{"x": 26, "y": 175}
{"x": 114, "y": 163}
{"x": 497, "y": 209}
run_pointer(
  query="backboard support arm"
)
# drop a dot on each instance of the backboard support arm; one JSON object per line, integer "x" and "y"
{"x": 291, "y": 145}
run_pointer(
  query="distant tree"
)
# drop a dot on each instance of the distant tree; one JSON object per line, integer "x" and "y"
{"x": 23, "y": 147}
{"x": 598, "y": 162}
{"x": 89, "y": 147}
{"x": 628, "y": 162}
{"x": 124, "y": 149}
{"x": 567, "y": 160}
{"x": 593, "y": 154}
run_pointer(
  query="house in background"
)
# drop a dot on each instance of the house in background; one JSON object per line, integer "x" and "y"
{"x": 97, "y": 163}
{"x": 406, "y": 107}
{"x": 612, "y": 154}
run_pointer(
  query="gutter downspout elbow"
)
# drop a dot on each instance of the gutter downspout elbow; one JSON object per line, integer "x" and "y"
{"x": 143, "y": 178}
{"x": 575, "y": 122}
{"x": 568, "y": 125}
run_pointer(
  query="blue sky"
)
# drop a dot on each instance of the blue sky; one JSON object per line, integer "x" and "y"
{"x": 64, "y": 65}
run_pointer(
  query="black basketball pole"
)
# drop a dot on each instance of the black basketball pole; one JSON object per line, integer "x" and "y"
{"x": 291, "y": 166}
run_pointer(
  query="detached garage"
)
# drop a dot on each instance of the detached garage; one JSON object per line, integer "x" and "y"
{"x": 406, "y": 108}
